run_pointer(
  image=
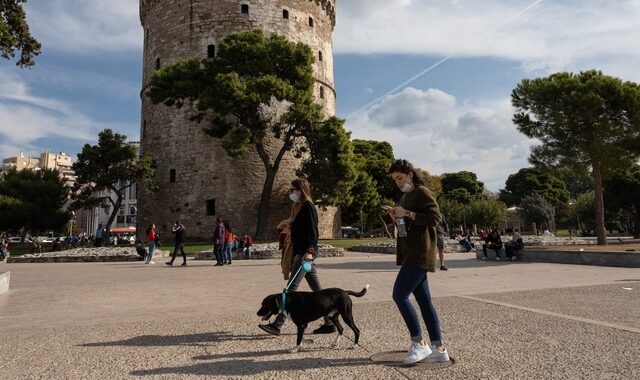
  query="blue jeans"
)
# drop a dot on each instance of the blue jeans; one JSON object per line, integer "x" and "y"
{"x": 414, "y": 280}
{"x": 152, "y": 246}
{"x": 227, "y": 252}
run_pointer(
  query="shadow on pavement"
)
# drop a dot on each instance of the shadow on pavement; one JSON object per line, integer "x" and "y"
{"x": 177, "y": 340}
{"x": 238, "y": 368}
{"x": 390, "y": 266}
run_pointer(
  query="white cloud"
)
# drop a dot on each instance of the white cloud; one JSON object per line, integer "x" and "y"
{"x": 25, "y": 118}
{"x": 86, "y": 26}
{"x": 553, "y": 35}
{"x": 438, "y": 133}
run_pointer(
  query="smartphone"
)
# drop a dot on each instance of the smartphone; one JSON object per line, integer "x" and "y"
{"x": 386, "y": 208}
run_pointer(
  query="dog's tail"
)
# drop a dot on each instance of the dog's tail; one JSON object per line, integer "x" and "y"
{"x": 359, "y": 294}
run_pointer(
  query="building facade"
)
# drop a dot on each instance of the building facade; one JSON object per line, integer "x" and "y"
{"x": 198, "y": 180}
{"x": 47, "y": 160}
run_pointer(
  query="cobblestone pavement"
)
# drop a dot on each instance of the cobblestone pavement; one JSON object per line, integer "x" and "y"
{"x": 129, "y": 320}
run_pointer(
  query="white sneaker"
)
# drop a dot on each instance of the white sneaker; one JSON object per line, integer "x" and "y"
{"x": 152, "y": 262}
{"x": 416, "y": 353}
{"x": 437, "y": 356}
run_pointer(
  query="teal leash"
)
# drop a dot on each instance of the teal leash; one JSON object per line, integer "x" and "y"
{"x": 307, "y": 267}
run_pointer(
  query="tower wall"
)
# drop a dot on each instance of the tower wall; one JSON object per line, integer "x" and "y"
{"x": 205, "y": 176}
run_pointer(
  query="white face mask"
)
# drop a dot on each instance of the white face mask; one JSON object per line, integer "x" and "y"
{"x": 407, "y": 187}
{"x": 294, "y": 196}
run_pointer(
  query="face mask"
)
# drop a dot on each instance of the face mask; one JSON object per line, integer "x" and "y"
{"x": 407, "y": 187}
{"x": 294, "y": 197}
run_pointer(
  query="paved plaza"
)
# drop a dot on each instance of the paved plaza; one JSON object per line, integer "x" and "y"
{"x": 129, "y": 320}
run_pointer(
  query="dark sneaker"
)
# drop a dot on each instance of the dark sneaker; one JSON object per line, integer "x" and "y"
{"x": 325, "y": 329}
{"x": 443, "y": 267}
{"x": 169, "y": 263}
{"x": 183, "y": 264}
{"x": 218, "y": 265}
{"x": 270, "y": 328}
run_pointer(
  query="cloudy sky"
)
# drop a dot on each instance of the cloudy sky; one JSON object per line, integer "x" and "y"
{"x": 432, "y": 77}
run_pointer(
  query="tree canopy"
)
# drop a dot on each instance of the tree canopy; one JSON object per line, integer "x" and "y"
{"x": 15, "y": 35}
{"x": 462, "y": 180}
{"x": 622, "y": 192}
{"x": 585, "y": 120}
{"x": 33, "y": 201}
{"x": 528, "y": 181}
{"x": 256, "y": 94}
{"x": 536, "y": 208}
{"x": 108, "y": 169}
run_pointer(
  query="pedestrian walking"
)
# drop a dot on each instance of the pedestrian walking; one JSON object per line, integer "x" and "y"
{"x": 152, "y": 237}
{"x": 304, "y": 246}
{"x": 218, "y": 242}
{"x": 418, "y": 212}
{"x": 441, "y": 229}
{"x": 179, "y": 232}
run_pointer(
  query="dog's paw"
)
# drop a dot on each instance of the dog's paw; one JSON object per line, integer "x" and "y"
{"x": 354, "y": 346}
{"x": 294, "y": 350}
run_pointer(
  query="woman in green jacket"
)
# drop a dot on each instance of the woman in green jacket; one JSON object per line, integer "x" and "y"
{"x": 416, "y": 255}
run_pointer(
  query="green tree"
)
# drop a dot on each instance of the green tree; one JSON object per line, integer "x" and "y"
{"x": 257, "y": 93}
{"x": 462, "y": 180}
{"x": 109, "y": 169}
{"x": 577, "y": 181}
{"x": 33, "y": 201}
{"x": 372, "y": 187}
{"x": 584, "y": 120}
{"x": 583, "y": 210}
{"x": 528, "y": 181}
{"x": 329, "y": 164}
{"x": 15, "y": 35}
{"x": 489, "y": 213}
{"x": 455, "y": 212}
{"x": 536, "y": 208}
{"x": 432, "y": 182}
{"x": 622, "y": 192}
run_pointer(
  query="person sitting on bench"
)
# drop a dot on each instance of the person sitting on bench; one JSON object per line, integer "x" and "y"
{"x": 516, "y": 244}
{"x": 493, "y": 242}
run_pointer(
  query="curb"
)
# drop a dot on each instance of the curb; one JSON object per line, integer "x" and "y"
{"x": 5, "y": 278}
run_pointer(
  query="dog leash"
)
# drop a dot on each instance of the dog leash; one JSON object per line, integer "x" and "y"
{"x": 306, "y": 267}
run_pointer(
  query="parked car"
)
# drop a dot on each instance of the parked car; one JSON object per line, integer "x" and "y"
{"x": 351, "y": 232}
{"x": 15, "y": 239}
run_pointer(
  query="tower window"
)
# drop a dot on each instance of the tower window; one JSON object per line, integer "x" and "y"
{"x": 321, "y": 92}
{"x": 144, "y": 128}
{"x": 211, "y": 207}
{"x": 157, "y": 63}
{"x": 211, "y": 51}
{"x": 285, "y": 14}
{"x": 172, "y": 175}
{"x": 311, "y": 22}
{"x": 245, "y": 9}
{"x": 320, "y": 56}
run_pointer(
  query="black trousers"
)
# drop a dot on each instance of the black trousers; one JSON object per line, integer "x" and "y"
{"x": 178, "y": 246}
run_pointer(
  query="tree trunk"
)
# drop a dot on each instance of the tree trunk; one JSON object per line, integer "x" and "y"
{"x": 636, "y": 222}
{"x": 597, "y": 181}
{"x": 112, "y": 217}
{"x": 263, "y": 210}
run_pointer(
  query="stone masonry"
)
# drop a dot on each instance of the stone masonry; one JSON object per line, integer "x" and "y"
{"x": 198, "y": 180}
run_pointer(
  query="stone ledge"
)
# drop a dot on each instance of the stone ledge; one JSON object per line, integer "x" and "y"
{"x": 80, "y": 255}
{"x": 271, "y": 252}
{"x": 5, "y": 279}
{"x": 610, "y": 259}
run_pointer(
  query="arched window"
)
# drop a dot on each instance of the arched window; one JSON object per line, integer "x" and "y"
{"x": 211, "y": 51}
{"x": 157, "y": 63}
{"x": 320, "y": 56}
{"x": 285, "y": 14}
{"x": 311, "y": 22}
{"x": 321, "y": 92}
{"x": 172, "y": 175}
{"x": 245, "y": 9}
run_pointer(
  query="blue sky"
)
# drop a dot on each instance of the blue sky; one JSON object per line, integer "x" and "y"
{"x": 455, "y": 117}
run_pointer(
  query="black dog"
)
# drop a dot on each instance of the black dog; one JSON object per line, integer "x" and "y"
{"x": 305, "y": 307}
